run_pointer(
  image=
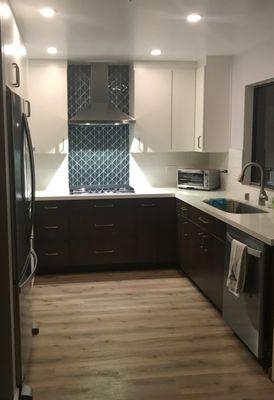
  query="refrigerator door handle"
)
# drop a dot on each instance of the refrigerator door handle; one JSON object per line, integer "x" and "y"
{"x": 29, "y": 143}
{"x": 33, "y": 271}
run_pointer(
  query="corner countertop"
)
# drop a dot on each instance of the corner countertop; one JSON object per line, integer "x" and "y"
{"x": 260, "y": 226}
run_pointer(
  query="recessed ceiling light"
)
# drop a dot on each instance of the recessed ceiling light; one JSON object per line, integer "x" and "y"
{"x": 193, "y": 18}
{"x": 47, "y": 12}
{"x": 156, "y": 52}
{"x": 52, "y": 50}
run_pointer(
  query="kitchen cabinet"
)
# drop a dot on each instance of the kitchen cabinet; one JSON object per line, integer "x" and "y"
{"x": 183, "y": 110}
{"x": 49, "y": 114}
{"x": 213, "y": 99}
{"x": 111, "y": 232}
{"x": 152, "y": 101}
{"x": 102, "y": 232}
{"x": 167, "y": 237}
{"x": 51, "y": 234}
{"x": 164, "y": 108}
{"x": 157, "y": 231}
{"x": 15, "y": 55}
{"x": 184, "y": 236}
{"x": 202, "y": 250}
{"x": 147, "y": 216}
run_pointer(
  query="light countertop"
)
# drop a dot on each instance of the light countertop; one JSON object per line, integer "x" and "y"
{"x": 261, "y": 226}
{"x": 139, "y": 193}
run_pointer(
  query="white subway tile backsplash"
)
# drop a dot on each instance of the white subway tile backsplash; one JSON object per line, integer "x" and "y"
{"x": 160, "y": 169}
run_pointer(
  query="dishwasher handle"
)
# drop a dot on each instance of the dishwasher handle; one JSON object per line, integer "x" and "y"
{"x": 250, "y": 250}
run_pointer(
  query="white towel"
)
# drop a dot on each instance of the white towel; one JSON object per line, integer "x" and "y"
{"x": 237, "y": 268}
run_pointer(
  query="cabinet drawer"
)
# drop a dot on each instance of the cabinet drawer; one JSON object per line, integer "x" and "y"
{"x": 96, "y": 217}
{"x": 52, "y": 227}
{"x": 207, "y": 222}
{"x": 50, "y": 207}
{"x": 89, "y": 252}
{"x": 53, "y": 254}
{"x": 102, "y": 207}
{"x": 85, "y": 252}
{"x": 86, "y": 227}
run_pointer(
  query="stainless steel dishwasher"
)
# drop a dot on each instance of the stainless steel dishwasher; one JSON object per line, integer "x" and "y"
{"x": 245, "y": 314}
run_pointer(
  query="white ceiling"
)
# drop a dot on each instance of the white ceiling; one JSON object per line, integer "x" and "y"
{"x": 129, "y": 29}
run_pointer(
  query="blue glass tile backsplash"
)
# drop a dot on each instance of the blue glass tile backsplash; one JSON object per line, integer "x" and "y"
{"x": 98, "y": 155}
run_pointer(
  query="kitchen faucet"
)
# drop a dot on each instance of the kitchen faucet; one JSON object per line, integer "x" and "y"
{"x": 262, "y": 196}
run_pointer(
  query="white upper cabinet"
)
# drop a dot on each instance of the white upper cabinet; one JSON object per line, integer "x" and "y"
{"x": 164, "y": 106}
{"x": 213, "y": 105}
{"x": 183, "y": 109}
{"x": 15, "y": 55}
{"x": 152, "y": 101}
{"x": 49, "y": 112}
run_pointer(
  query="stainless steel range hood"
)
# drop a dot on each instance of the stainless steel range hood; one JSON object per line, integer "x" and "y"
{"x": 100, "y": 111}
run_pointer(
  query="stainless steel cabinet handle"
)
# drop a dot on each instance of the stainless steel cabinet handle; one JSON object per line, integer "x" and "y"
{"x": 51, "y": 254}
{"x": 52, "y": 227}
{"x": 103, "y": 225}
{"x": 50, "y": 207}
{"x": 148, "y": 205}
{"x": 103, "y": 251}
{"x": 199, "y": 142}
{"x": 203, "y": 220}
{"x": 103, "y": 206}
{"x": 17, "y": 75}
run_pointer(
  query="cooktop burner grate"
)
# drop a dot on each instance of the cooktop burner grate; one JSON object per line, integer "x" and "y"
{"x": 101, "y": 189}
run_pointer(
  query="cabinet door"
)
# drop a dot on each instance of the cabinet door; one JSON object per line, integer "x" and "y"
{"x": 147, "y": 231}
{"x": 217, "y": 104}
{"x": 199, "y": 112}
{"x": 206, "y": 264}
{"x": 196, "y": 260}
{"x": 15, "y": 55}
{"x": 214, "y": 261}
{"x": 185, "y": 245}
{"x": 213, "y": 98}
{"x": 167, "y": 238}
{"x": 152, "y": 110}
{"x": 48, "y": 122}
{"x": 183, "y": 110}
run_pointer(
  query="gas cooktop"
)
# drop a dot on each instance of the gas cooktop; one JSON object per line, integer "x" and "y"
{"x": 101, "y": 189}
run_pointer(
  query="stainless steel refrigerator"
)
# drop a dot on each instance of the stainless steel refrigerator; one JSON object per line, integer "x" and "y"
{"x": 22, "y": 194}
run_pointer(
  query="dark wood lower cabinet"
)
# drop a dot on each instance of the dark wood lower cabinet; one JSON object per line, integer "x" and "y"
{"x": 157, "y": 239}
{"x": 202, "y": 250}
{"x": 148, "y": 228}
{"x": 53, "y": 253}
{"x": 105, "y": 232}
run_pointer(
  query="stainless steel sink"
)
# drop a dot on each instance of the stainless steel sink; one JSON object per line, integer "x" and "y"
{"x": 233, "y": 206}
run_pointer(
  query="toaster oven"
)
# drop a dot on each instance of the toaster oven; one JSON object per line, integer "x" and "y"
{"x": 199, "y": 179}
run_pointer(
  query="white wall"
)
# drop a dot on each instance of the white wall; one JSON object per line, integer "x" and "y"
{"x": 253, "y": 66}
{"x": 49, "y": 123}
{"x": 250, "y": 67}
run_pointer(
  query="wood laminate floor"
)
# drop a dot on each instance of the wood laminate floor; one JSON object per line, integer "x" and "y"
{"x": 137, "y": 336}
